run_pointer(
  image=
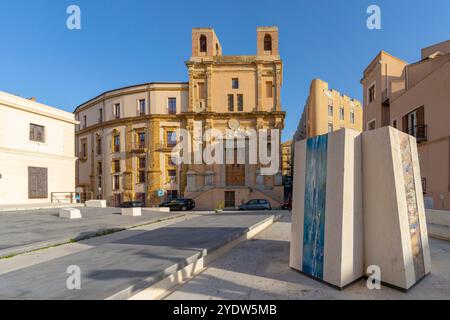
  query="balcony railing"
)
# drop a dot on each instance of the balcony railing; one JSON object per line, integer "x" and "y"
{"x": 419, "y": 132}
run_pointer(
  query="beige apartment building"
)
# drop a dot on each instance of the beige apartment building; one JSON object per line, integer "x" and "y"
{"x": 126, "y": 136}
{"x": 328, "y": 110}
{"x": 415, "y": 99}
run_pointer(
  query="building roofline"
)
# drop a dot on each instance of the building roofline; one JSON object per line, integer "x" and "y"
{"x": 378, "y": 56}
{"x": 27, "y": 105}
{"x": 123, "y": 88}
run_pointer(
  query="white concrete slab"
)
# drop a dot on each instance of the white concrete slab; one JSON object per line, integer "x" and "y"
{"x": 132, "y": 212}
{"x": 70, "y": 213}
{"x": 96, "y": 203}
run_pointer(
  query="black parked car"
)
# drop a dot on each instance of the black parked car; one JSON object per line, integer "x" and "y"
{"x": 256, "y": 204}
{"x": 179, "y": 204}
{"x": 132, "y": 204}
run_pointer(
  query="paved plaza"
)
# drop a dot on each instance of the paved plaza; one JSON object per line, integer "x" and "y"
{"x": 22, "y": 231}
{"x": 126, "y": 261}
{"x": 259, "y": 270}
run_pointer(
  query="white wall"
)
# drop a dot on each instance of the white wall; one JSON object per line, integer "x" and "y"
{"x": 17, "y": 152}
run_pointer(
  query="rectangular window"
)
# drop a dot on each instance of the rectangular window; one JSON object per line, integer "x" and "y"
{"x": 230, "y": 102}
{"x": 142, "y": 107}
{"x": 100, "y": 115}
{"x": 371, "y": 125}
{"x": 99, "y": 146}
{"x": 172, "y": 174}
{"x": 171, "y": 138}
{"x": 99, "y": 168}
{"x": 141, "y": 176}
{"x": 201, "y": 90}
{"x": 99, "y": 182}
{"x": 330, "y": 127}
{"x": 240, "y": 102}
{"x": 330, "y": 110}
{"x": 83, "y": 151}
{"x": 142, "y": 163}
{"x": 37, "y": 183}
{"x": 141, "y": 140}
{"x": 269, "y": 89}
{"x": 37, "y": 133}
{"x": 172, "y": 106}
{"x": 116, "y": 182}
{"x": 84, "y": 121}
{"x": 341, "y": 113}
{"x": 116, "y": 166}
{"x": 117, "y": 143}
{"x": 352, "y": 116}
{"x": 371, "y": 93}
{"x": 117, "y": 110}
{"x": 394, "y": 123}
{"x": 235, "y": 83}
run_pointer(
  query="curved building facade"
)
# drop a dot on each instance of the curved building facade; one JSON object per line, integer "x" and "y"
{"x": 126, "y": 136}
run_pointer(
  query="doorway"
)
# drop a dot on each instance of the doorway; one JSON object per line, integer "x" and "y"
{"x": 229, "y": 199}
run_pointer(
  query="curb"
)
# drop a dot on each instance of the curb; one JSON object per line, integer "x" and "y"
{"x": 164, "y": 282}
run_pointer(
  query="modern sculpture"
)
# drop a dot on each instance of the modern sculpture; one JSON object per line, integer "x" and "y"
{"x": 357, "y": 202}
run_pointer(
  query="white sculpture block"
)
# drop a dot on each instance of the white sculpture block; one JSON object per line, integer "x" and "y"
{"x": 96, "y": 203}
{"x": 326, "y": 238}
{"x": 70, "y": 213}
{"x": 395, "y": 229}
{"x": 133, "y": 212}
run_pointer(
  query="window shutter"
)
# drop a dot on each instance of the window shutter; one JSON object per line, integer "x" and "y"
{"x": 420, "y": 116}
{"x": 405, "y": 123}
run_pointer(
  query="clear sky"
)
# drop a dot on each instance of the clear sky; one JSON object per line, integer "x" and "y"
{"x": 126, "y": 42}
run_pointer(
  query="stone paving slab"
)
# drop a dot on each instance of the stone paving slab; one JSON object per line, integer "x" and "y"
{"x": 34, "y": 229}
{"x": 133, "y": 261}
{"x": 259, "y": 270}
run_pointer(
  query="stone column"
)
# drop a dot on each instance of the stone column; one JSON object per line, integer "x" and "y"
{"x": 278, "y": 87}
{"x": 128, "y": 194}
{"x": 191, "y": 89}
{"x": 259, "y": 86}
{"x": 153, "y": 165}
{"x": 208, "y": 87}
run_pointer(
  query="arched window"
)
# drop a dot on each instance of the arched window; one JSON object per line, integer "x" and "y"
{"x": 267, "y": 43}
{"x": 217, "y": 48}
{"x": 203, "y": 43}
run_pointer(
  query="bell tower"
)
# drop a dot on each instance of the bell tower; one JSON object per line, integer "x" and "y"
{"x": 267, "y": 41}
{"x": 205, "y": 43}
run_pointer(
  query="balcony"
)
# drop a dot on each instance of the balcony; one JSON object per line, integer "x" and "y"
{"x": 139, "y": 147}
{"x": 419, "y": 132}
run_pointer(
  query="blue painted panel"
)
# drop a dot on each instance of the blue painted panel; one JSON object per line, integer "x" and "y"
{"x": 314, "y": 209}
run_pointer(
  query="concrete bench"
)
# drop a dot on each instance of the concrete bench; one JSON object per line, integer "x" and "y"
{"x": 132, "y": 212}
{"x": 70, "y": 213}
{"x": 96, "y": 203}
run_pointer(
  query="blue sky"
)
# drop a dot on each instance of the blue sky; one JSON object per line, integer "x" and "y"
{"x": 129, "y": 42}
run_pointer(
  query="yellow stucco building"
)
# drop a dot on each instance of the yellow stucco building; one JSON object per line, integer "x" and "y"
{"x": 126, "y": 136}
{"x": 328, "y": 110}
